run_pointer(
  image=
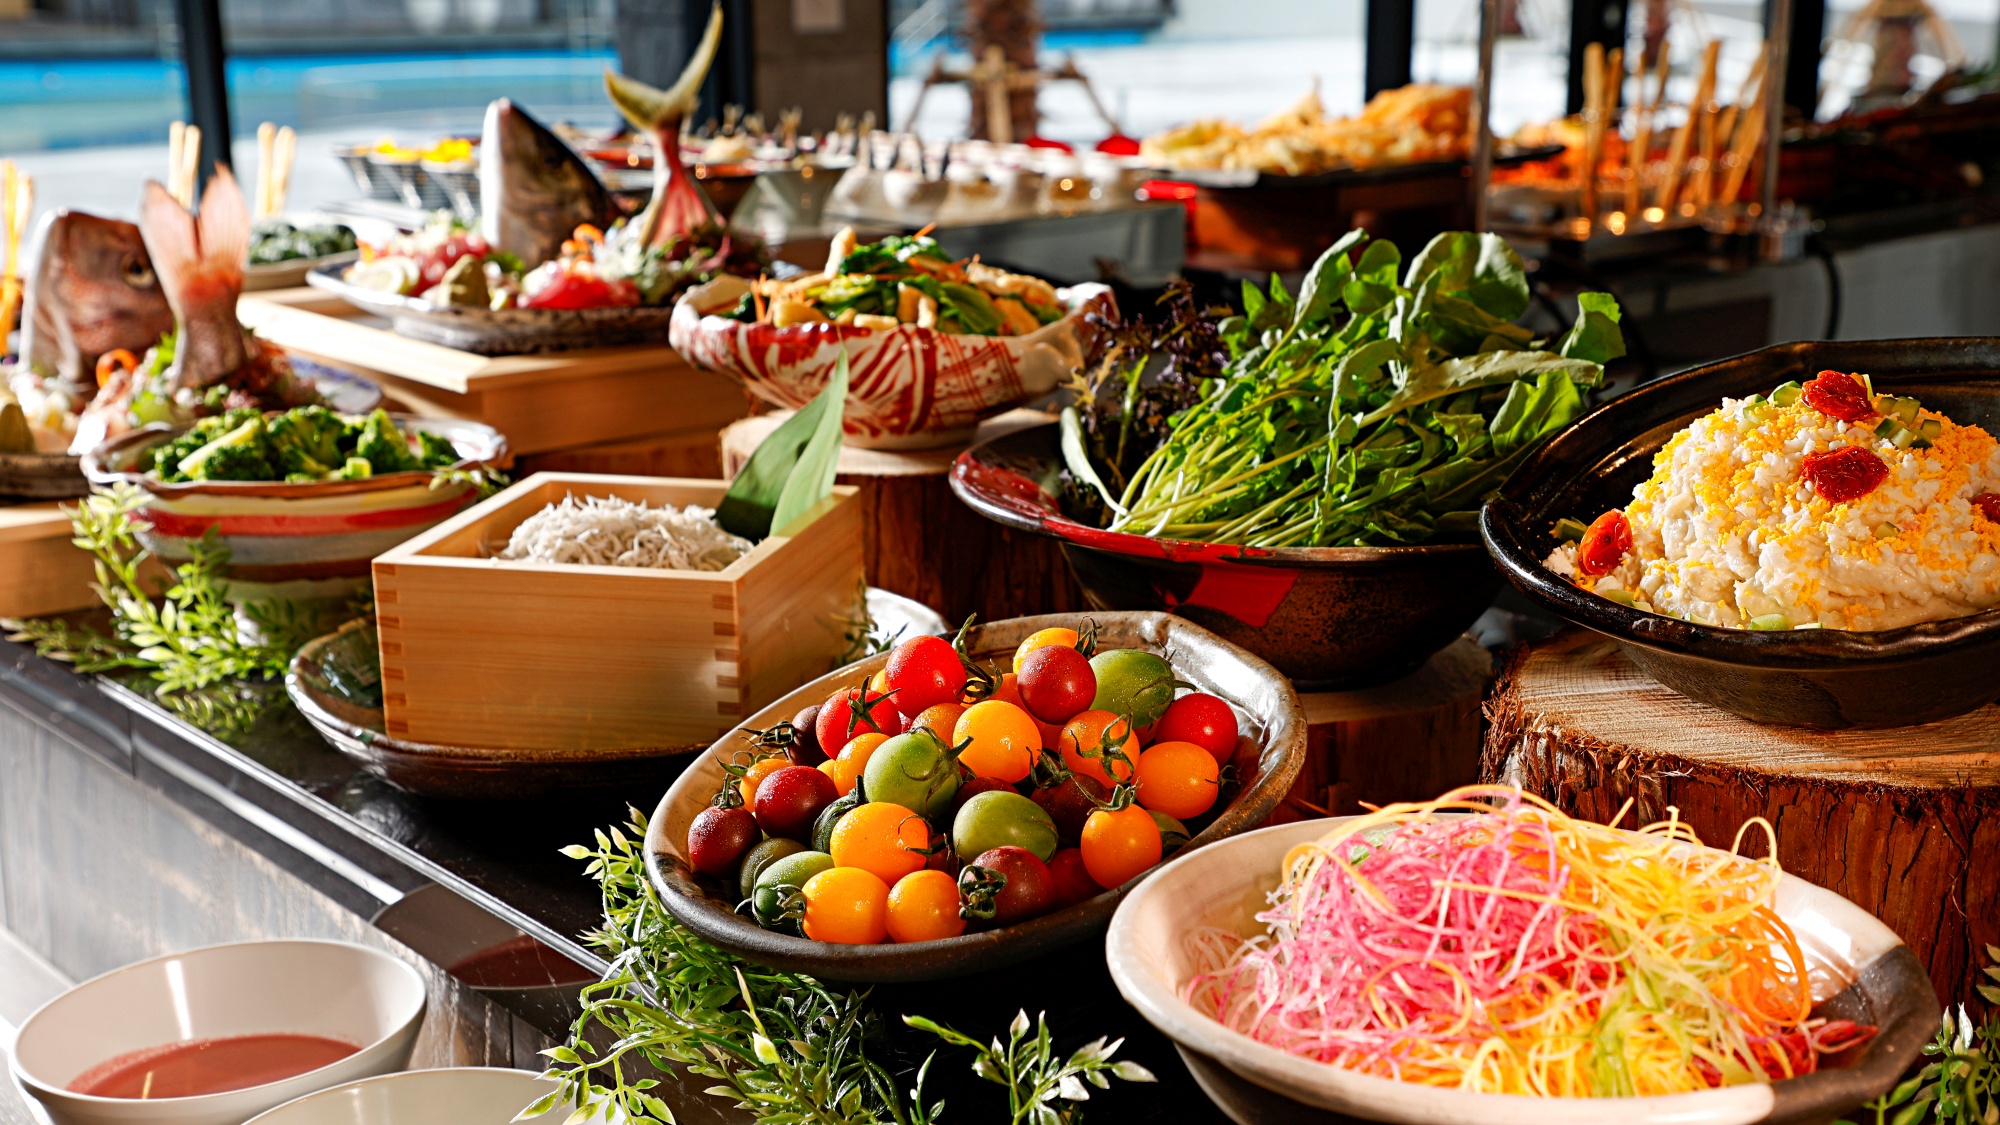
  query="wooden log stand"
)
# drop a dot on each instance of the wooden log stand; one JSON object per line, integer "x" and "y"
{"x": 1408, "y": 740}
{"x": 1904, "y": 822}
{"x": 921, "y": 542}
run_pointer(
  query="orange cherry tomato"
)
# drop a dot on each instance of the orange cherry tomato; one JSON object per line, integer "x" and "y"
{"x": 1008, "y": 690}
{"x": 1605, "y": 544}
{"x": 1004, "y": 740}
{"x": 1051, "y": 734}
{"x": 859, "y": 748}
{"x": 1178, "y": 778}
{"x": 923, "y": 906}
{"x": 847, "y": 905}
{"x": 1119, "y": 844}
{"x": 939, "y": 718}
{"x": 758, "y": 771}
{"x": 844, "y": 773}
{"x": 1083, "y": 742}
{"x": 885, "y": 840}
{"x": 1043, "y": 638}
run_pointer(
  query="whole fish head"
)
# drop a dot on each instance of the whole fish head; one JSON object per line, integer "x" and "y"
{"x": 92, "y": 291}
{"x": 534, "y": 189}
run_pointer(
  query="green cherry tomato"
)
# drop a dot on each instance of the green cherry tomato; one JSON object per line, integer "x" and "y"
{"x": 764, "y": 855}
{"x": 914, "y": 771}
{"x": 795, "y": 869}
{"x": 1173, "y": 834}
{"x": 1002, "y": 818}
{"x": 1134, "y": 683}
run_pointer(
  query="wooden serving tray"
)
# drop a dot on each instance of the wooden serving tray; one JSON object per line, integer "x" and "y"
{"x": 558, "y": 400}
{"x": 41, "y": 571}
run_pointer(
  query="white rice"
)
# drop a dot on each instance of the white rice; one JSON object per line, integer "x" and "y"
{"x": 610, "y": 531}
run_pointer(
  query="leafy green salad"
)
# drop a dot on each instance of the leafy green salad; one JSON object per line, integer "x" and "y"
{"x": 1364, "y": 411}
{"x": 310, "y": 443}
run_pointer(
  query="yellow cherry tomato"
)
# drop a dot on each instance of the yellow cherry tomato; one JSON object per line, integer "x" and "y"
{"x": 859, "y": 748}
{"x": 1085, "y": 738}
{"x": 1004, "y": 740}
{"x": 848, "y": 905}
{"x": 844, "y": 773}
{"x": 888, "y": 841}
{"x": 923, "y": 906}
{"x": 1043, "y": 638}
{"x": 754, "y": 776}
{"x": 1178, "y": 778}
{"x": 1119, "y": 844}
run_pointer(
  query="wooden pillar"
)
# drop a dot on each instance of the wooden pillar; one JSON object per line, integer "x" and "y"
{"x": 1905, "y": 822}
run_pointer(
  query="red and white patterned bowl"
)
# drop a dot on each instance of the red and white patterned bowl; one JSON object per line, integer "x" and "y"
{"x": 908, "y": 387}
{"x": 284, "y": 533}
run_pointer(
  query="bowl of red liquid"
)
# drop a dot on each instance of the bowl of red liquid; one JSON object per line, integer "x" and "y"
{"x": 217, "y": 1035}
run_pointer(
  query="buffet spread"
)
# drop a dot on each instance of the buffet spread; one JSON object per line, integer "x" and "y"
{"x": 1308, "y": 490}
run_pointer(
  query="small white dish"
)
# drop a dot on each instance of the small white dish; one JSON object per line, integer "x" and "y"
{"x": 326, "y": 988}
{"x": 456, "y": 1096}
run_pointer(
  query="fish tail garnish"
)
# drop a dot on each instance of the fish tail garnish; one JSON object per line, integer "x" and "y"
{"x": 655, "y": 110}
{"x": 225, "y": 224}
{"x": 189, "y": 251}
{"x": 171, "y": 241}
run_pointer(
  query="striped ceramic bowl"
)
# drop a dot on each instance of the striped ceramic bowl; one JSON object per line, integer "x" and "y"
{"x": 279, "y": 533}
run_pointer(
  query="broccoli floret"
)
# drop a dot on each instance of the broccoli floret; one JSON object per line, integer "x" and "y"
{"x": 240, "y": 454}
{"x": 384, "y": 446}
{"x": 166, "y": 457}
{"x": 357, "y": 468}
{"x": 306, "y": 442}
{"x": 436, "y": 450}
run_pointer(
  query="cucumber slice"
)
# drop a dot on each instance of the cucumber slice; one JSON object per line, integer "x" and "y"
{"x": 1770, "y": 622}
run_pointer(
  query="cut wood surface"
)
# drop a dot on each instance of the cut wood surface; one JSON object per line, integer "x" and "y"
{"x": 1905, "y": 822}
{"x": 921, "y": 542}
{"x": 41, "y": 571}
{"x": 1406, "y": 740}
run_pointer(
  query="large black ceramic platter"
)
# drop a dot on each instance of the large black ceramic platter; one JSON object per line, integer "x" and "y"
{"x": 504, "y": 331}
{"x": 1827, "y": 678}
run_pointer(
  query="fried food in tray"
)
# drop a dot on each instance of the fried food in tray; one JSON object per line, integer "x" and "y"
{"x": 1415, "y": 124}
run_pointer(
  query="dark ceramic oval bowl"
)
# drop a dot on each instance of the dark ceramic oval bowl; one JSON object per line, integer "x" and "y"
{"x": 1268, "y": 757}
{"x": 1327, "y": 617}
{"x": 1826, "y": 678}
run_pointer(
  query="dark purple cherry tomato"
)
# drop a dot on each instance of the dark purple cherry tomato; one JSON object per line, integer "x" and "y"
{"x": 805, "y": 749}
{"x": 924, "y": 672}
{"x": 1057, "y": 683}
{"x": 970, "y": 789}
{"x": 717, "y": 838}
{"x": 1069, "y": 803}
{"x": 1030, "y": 890}
{"x": 791, "y": 798}
{"x": 1071, "y": 878}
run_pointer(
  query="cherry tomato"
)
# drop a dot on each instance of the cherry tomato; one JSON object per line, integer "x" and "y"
{"x": 790, "y": 798}
{"x": 878, "y": 684}
{"x": 755, "y": 775}
{"x": 942, "y": 858}
{"x": 1085, "y": 740}
{"x": 1004, "y": 740}
{"x": 1069, "y": 803}
{"x": 1002, "y": 819}
{"x": 1056, "y": 683}
{"x": 843, "y": 772}
{"x": 1177, "y": 778}
{"x": 1838, "y": 395}
{"x": 1008, "y": 690}
{"x": 1073, "y": 883}
{"x": 1202, "y": 719}
{"x": 914, "y": 771}
{"x": 1173, "y": 834}
{"x": 970, "y": 789}
{"x": 924, "y": 672}
{"x": 1134, "y": 683}
{"x": 847, "y": 905}
{"x": 717, "y": 838}
{"x": 1119, "y": 844}
{"x": 923, "y": 906}
{"x": 1843, "y": 474}
{"x": 939, "y": 717}
{"x": 1043, "y": 638}
{"x": 1989, "y": 505}
{"x": 887, "y": 840}
{"x": 581, "y": 289}
{"x": 762, "y": 856}
{"x": 852, "y": 711}
{"x": 859, "y": 748}
{"x": 1605, "y": 544}
{"x": 1051, "y": 734}
{"x": 1029, "y": 890}
{"x": 805, "y": 748}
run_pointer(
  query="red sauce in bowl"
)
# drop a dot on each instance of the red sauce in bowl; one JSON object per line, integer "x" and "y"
{"x": 209, "y": 1066}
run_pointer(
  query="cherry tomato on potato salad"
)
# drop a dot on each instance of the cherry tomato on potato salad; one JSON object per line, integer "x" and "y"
{"x": 1604, "y": 545}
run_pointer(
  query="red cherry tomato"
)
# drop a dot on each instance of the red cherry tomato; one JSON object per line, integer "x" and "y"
{"x": 852, "y": 711}
{"x": 1057, "y": 683}
{"x": 1070, "y": 803}
{"x": 791, "y": 798}
{"x": 1989, "y": 505}
{"x": 717, "y": 838}
{"x": 1605, "y": 544}
{"x": 1841, "y": 396}
{"x": 1843, "y": 474}
{"x": 1202, "y": 719}
{"x": 1072, "y": 879}
{"x": 1030, "y": 890}
{"x": 579, "y": 289}
{"x": 924, "y": 672}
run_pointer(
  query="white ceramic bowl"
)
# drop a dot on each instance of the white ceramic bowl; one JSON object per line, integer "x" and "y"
{"x": 328, "y": 988}
{"x": 459, "y": 1096}
{"x": 1853, "y": 959}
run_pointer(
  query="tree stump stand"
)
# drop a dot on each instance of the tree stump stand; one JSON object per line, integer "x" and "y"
{"x": 919, "y": 541}
{"x": 1407, "y": 740}
{"x": 1904, "y": 822}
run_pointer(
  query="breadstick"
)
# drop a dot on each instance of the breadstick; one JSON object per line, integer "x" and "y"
{"x": 1642, "y": 137}
{"x": 1677, "y": 153}
{"x": 287, "y": 155}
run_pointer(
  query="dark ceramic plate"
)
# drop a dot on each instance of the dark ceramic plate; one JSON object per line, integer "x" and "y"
{"x": 1827, "y": 678}
{"x": 1268, "y": 758}
{"x": 1325, "y": 616}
